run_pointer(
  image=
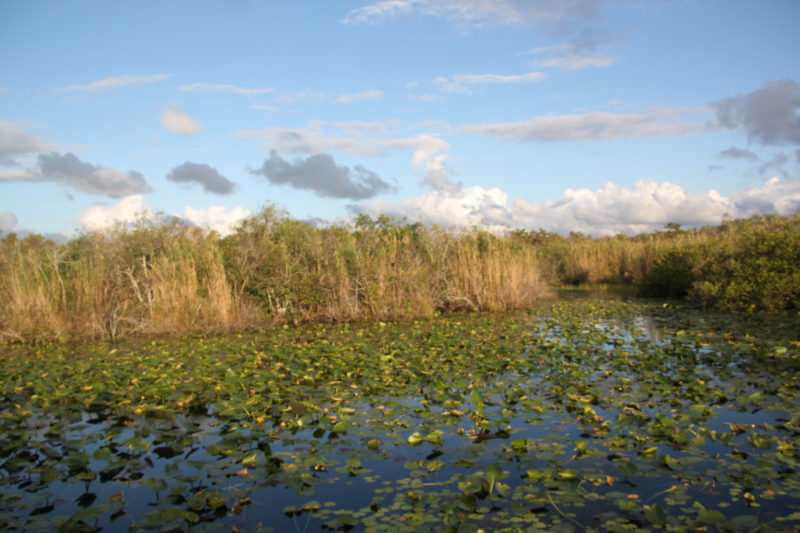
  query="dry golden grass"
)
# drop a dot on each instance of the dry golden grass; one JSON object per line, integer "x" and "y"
{"x": 160, "y": 279}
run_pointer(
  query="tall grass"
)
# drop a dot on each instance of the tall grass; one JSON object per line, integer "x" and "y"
{"x": 159, "y": 278}
{"x": 376, "y": 270}
{"x": 150, "y": 280}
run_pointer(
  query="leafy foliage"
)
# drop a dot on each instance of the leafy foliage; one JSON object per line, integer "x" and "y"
{"x": 760, "y": 272}
{"x": 592, "y": 415}
{"x": 672, "y": 276}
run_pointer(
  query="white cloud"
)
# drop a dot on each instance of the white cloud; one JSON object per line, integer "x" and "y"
{"x": 429, "y": 155}
{"x": 424, "y": 146}
{"x": 462, "y": 82}
{"x": 579, "y": 53}
{"x": 573, "y": 61}
{"x": 224, "y": 88}
{"x": 461, "y": 208}
{"x": 775, "y": 196}
{"x": 179, "y": 121}
{"x": 126, "y": 211}
{"x": 113, "y": 83}
{"x": 593, "y": 126}
{"x": 480, "y": 13}
{"x": 271, "y": 109}
{"x": 427, "y": 97}
{"x": 302, "y": 97}
{"x": 4, "y": 90}
{"x": 314, "y": 97}
{"x": 134, "y": 208}
{"x": 221, "y": 219}
{"x": 428, "y": 151}
{"x": 359, "y": 97}
{"x": 312, "y": 140}
{"x": 612, "y": 209}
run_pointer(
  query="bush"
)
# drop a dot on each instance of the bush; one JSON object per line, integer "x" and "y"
{"x": 672, "y": 276}
{"x": 760, "y": 272}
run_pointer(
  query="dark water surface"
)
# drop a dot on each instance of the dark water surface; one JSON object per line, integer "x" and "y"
{"x": 597, "y": 415}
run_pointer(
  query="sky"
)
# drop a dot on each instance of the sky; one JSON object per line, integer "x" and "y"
{"x": 596, "y": 116}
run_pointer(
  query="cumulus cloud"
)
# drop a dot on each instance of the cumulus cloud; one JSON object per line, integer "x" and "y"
{"x": 221, "y": 219}
{"x": 768, "y": 115}
{"x": 70, "y": 170}
{"x": 320, "y": 174}
{"x": 480, "y": 13}
{"x": 131, "y": 209}
{"x": 208, "y": 177}
{"x": 461, "y": 83}
{"x": 15, "y": 142}
{"x": 464, "y": 207}
{"x": 114, "y": 82}
{"x": 612, "y": 209}
{"x": 224, "y": 88}
{"x": 126, "y": 211}
{"x": 593, "y": 126}
{"x": 775, "y": 196}
{"x": 176, "y": 119}
{"x": 430, "y": 154}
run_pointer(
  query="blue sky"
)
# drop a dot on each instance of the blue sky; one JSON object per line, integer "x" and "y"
{"x": 600, "y": 116}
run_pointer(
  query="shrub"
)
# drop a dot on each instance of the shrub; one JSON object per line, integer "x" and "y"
{"x": 672, "y": 276}
{"x": 760, "y": 272}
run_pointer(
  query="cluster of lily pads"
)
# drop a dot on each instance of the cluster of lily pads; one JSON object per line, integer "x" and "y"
{"x": 594, "y": 415}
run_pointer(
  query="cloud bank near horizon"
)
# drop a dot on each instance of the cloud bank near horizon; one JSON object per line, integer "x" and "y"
{"x": 646, "y": 207}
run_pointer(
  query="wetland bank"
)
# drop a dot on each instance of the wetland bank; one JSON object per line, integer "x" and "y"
{"x": 574, "y": 414}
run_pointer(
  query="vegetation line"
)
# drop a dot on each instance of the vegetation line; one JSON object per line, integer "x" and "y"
{"x": 156, "y": 278}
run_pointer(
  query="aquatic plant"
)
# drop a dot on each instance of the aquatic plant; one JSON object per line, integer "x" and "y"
{"x": 594, "y": 415}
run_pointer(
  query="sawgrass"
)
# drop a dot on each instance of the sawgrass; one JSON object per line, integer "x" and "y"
{"x": 160, "y": 278}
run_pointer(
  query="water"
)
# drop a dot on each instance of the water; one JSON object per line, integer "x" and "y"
{"x": 601, "y": 418}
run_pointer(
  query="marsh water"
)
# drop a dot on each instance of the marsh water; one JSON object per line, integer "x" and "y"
{"x": 592, "y": 414}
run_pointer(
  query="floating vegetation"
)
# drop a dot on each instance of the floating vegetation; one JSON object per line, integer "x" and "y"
{"x": 592, "y": 416}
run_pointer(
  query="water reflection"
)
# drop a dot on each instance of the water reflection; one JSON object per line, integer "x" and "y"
{"x": 603, "y": 412}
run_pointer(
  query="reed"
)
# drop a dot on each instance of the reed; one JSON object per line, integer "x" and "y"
{"x": 158, "y": 278}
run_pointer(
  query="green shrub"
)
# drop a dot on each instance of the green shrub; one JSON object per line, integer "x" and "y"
{"x": 761, "y": 272}
{"x": 672, "y": 276}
